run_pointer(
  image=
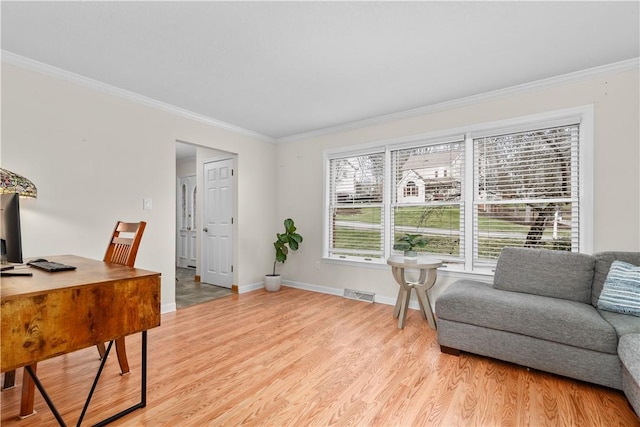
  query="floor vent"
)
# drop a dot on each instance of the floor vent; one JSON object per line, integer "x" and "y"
{"x": 359, "y": 295}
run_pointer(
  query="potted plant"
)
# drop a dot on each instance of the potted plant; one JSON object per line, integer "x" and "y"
{"x": 408, "y": 243}
{"x": 285, "y": 241}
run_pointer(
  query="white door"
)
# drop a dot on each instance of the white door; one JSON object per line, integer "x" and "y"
{"x": 217, "y": 268}
{"x": 186, "y": 250}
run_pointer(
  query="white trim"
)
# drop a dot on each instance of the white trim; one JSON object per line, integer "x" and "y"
{"x": 590, "y": 73}
{"x": 30, "y": 64}
{"x": 250, "y": 287}
{"x": 339, "y": 292}
{"x": 325, "y": 204}
{"x": 168, "y": 308}
{"x": 379, "y": 263}
{"x": 314, "y": 288}
{"x": 534, "y": 122}
{"x": 387, "y": 200}
{"x": 468, "y": 191}
{"x": 586, "y": 174}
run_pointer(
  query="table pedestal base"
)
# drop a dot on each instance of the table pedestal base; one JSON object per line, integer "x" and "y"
{"x": 428, "y": 274}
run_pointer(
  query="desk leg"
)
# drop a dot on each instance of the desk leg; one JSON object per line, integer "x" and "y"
{"x": 143, "y": 387}
{"x": 29, "y": 369}
{"x": 28, "y": 392}
{"x": 31, "y": 378}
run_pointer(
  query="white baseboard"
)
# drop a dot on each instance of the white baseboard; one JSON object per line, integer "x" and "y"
{"x": 413, "y": 303}
{"x": 168, "y": 308}
{"x": 250, "y": 287}
{"x": 313, "y": 288}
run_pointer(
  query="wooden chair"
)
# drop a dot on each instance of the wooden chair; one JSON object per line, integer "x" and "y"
{"x": 123, "y": 250}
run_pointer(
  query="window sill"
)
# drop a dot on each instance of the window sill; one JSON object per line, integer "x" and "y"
{"x": 453, "y": 270}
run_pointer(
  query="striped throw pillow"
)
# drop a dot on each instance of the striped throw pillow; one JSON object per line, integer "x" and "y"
{"x": 621, "y": 290}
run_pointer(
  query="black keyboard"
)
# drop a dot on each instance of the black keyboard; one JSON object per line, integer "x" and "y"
{"x": 51, "y": 266}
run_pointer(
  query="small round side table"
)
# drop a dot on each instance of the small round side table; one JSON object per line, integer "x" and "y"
{"x": 428, "y": 274}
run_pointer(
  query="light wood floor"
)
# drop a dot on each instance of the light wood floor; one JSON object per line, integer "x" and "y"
{"x": 300, "y": 358}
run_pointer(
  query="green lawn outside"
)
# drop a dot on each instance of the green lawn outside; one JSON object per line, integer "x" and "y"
{"x": 440, "y": 217}
{"x": 444, "y": 217}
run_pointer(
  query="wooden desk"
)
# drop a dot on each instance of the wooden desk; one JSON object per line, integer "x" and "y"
{"x": 428, "y": 274}
{"x": 50, "y": 314}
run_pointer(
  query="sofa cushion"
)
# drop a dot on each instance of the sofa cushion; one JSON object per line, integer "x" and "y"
{"x": 622, "y": 323}
{"x": 558, "y": 320}
{"x": 621, "y": 290}
{"x": 603, "y": 262}
{"x": 556, "y": 274}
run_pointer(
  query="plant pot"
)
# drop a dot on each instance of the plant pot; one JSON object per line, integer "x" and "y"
{"x": 272, "y": 282}
{"x": 410, "y": 256}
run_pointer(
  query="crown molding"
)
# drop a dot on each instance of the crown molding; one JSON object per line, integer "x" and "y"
{"x": 30, "y": 64}
{"x": 590, "y": 73}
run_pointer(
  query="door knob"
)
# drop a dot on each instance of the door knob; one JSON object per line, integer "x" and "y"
{"x": 206, "y": 230}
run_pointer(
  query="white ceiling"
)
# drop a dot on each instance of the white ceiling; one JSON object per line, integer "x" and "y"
{"x": 287, "y": 68}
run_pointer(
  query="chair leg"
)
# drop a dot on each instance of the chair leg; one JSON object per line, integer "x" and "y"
{"x": 9, "y": 379}
{"x": 122, "y": 356}
{"x": 101, "y": 350}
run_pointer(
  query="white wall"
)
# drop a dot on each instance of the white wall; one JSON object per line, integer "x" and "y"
{"x": 617, "y": 178}
{"x": 95, "y": 156}
{"x": 186, "y": 167}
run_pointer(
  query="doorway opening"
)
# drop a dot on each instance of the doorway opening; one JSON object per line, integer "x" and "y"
{"x": 191, "y": 292}
{"x": 192, "y": 286}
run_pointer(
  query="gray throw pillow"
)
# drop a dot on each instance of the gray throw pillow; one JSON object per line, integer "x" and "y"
{"x": 621, "y": 290}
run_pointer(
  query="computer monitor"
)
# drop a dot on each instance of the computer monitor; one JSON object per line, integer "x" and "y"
{"x": 10, "y": 228}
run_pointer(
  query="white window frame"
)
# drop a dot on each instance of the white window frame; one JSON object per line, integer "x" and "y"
{"x": 583, "y": 115}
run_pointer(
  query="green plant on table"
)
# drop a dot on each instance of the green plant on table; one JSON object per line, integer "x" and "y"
{"x": 409, "y": 242}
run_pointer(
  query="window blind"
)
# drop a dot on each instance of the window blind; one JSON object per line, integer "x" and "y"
{"x": 356, "y": 206}
{"x": 526, "y": 191}
{"x": 427, "y": 197}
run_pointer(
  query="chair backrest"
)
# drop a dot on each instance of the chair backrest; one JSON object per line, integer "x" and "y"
{"x": 123, "y": 249}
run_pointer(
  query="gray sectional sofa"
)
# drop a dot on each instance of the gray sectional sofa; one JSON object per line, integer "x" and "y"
{"x": 541, "y": 311}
